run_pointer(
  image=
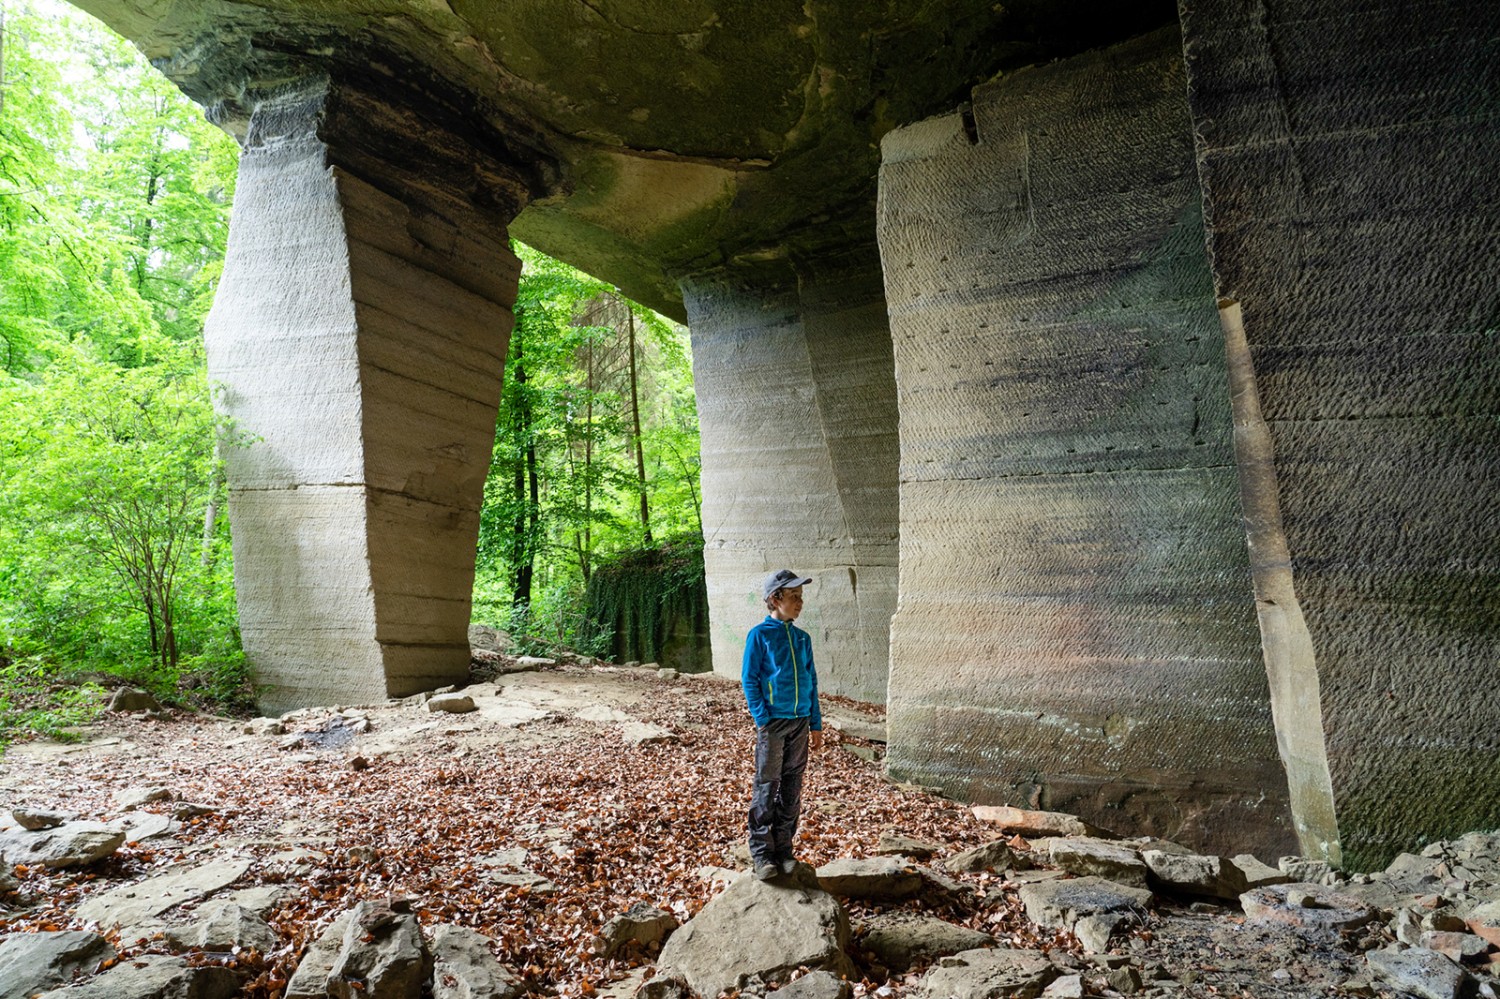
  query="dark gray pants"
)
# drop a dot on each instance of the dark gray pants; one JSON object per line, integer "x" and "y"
{"x": 780, "y": 759}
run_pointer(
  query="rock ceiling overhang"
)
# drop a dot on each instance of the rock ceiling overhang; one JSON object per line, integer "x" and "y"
{"x": 666, "y": 136}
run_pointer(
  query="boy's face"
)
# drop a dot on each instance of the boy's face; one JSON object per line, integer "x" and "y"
{"x": 788, "y": 603}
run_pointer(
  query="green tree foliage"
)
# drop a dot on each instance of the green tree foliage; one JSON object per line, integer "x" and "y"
{"x": 114, "y": 208}
{"x": 572, "y": 481}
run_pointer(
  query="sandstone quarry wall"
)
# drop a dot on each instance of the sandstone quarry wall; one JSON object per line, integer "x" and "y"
{"x": 1075, "y": 626}
{"x": 361, "y": 342}
{"x": 796, "y": 407}
{"x": 1348, "y": 155}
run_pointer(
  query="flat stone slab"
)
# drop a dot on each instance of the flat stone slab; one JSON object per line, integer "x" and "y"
{"x": 888, "y": 879}
{"x": 130, "y": 904}
{"x": 1063, "y": 903}
{"x": 155, "y": 976}
{"x": 72, "y": 844}
{"x": 638, "y": 733}
{"x": 900, "y": 939}
{"x": 1086, "y": 855}
{"x": 989, "y": 974}
{"x": 1308, "y": 905}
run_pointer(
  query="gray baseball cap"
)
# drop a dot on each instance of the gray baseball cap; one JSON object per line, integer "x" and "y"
{"x": 780, "y": 580}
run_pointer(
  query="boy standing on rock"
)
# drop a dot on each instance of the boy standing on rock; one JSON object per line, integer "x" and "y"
{"x": 781, "y": 691}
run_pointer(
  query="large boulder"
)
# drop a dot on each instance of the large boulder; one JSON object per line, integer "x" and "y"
{"x": 33, "y": 962}
{"x": 155, "y": 976}
{"x": 759, "y": 928}
{"x": 463, "y": 967}
{"x": 383, "y": 954}
{"x": 72, "y": 844}
{"x": 989, "y": 974}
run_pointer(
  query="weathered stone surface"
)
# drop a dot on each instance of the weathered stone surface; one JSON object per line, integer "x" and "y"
{"x": 1217, "y": 877}
{"x": 133, "y": 903}
{"x": 637, "y": 733}
{"x": 463, "y": 967}
{"x": 132, "y": 798}
{"x": 1062, "y": 903}
{"x": 1072, "y": 553}
{"x": 310, "y": 980}
{"x": 34, "y": 819}
{"x": 138, "y": 826}
{"x": 360, "y": 341}
{"x": 1458, "y": 947}
{"x": 155, "y": 976}
{"x": 1306, "y": 870}
{"x": 995, "y": 855}
{"x": 764, "y": 928}
{"x": 1484, "y": 921}
{"x": 1309, "y": 905}
{"x": 33, "y": 962}
{"x": 817, "y": 985}
{"x": 880, "y": 878}
{"x": 1029, "y": 822}
{"x": 893, "y": 844}
{"x": 127, "y": 699}
{"x": 822, "y": 337}
{"x": 899, "y": 939}
{"x": 223, "y": 926}
{"x": 1367, "y": 342}
{"x": 643, "y": 924}
{"x": 455, "y": 704}
{"x": 383, "y": 953}
{"x": 1106, "y": 859}
{"x": 1420, "y": 972}
{"x": 988, "y": 974}
{"x": 72, "y": 844}
{"x": 1094, "y": 932}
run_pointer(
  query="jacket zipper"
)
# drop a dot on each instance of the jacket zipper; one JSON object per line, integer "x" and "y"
{"x": 796, "y": 668}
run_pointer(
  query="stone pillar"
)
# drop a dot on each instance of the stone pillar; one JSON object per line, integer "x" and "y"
{"x": 359, "y": 334}
{"x": 1075, "y": 628}
{"x": 1348, "y": 160}
{"x": 796, "y": 408}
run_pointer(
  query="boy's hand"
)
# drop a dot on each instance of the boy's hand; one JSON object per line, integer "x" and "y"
{"x": 815, "y": 739}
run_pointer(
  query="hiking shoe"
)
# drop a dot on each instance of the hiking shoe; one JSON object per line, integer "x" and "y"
{"x": 787, "y": 866}
{"x": 765, "y": 871}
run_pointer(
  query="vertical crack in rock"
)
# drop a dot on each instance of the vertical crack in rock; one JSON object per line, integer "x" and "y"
{"x": 1291, "y": 663}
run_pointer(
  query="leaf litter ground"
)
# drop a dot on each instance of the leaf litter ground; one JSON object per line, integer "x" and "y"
{"x": 607, "y": 824}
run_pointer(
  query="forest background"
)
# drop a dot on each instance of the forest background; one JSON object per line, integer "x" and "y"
{"x": 115, "y": 561}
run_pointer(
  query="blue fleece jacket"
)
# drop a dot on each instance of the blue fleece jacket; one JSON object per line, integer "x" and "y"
{"x": 778, "y": 674}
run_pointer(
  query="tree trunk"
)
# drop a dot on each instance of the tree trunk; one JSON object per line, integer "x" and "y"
{"x": 521, "y": 549}
{"x": 640, "y": 452}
